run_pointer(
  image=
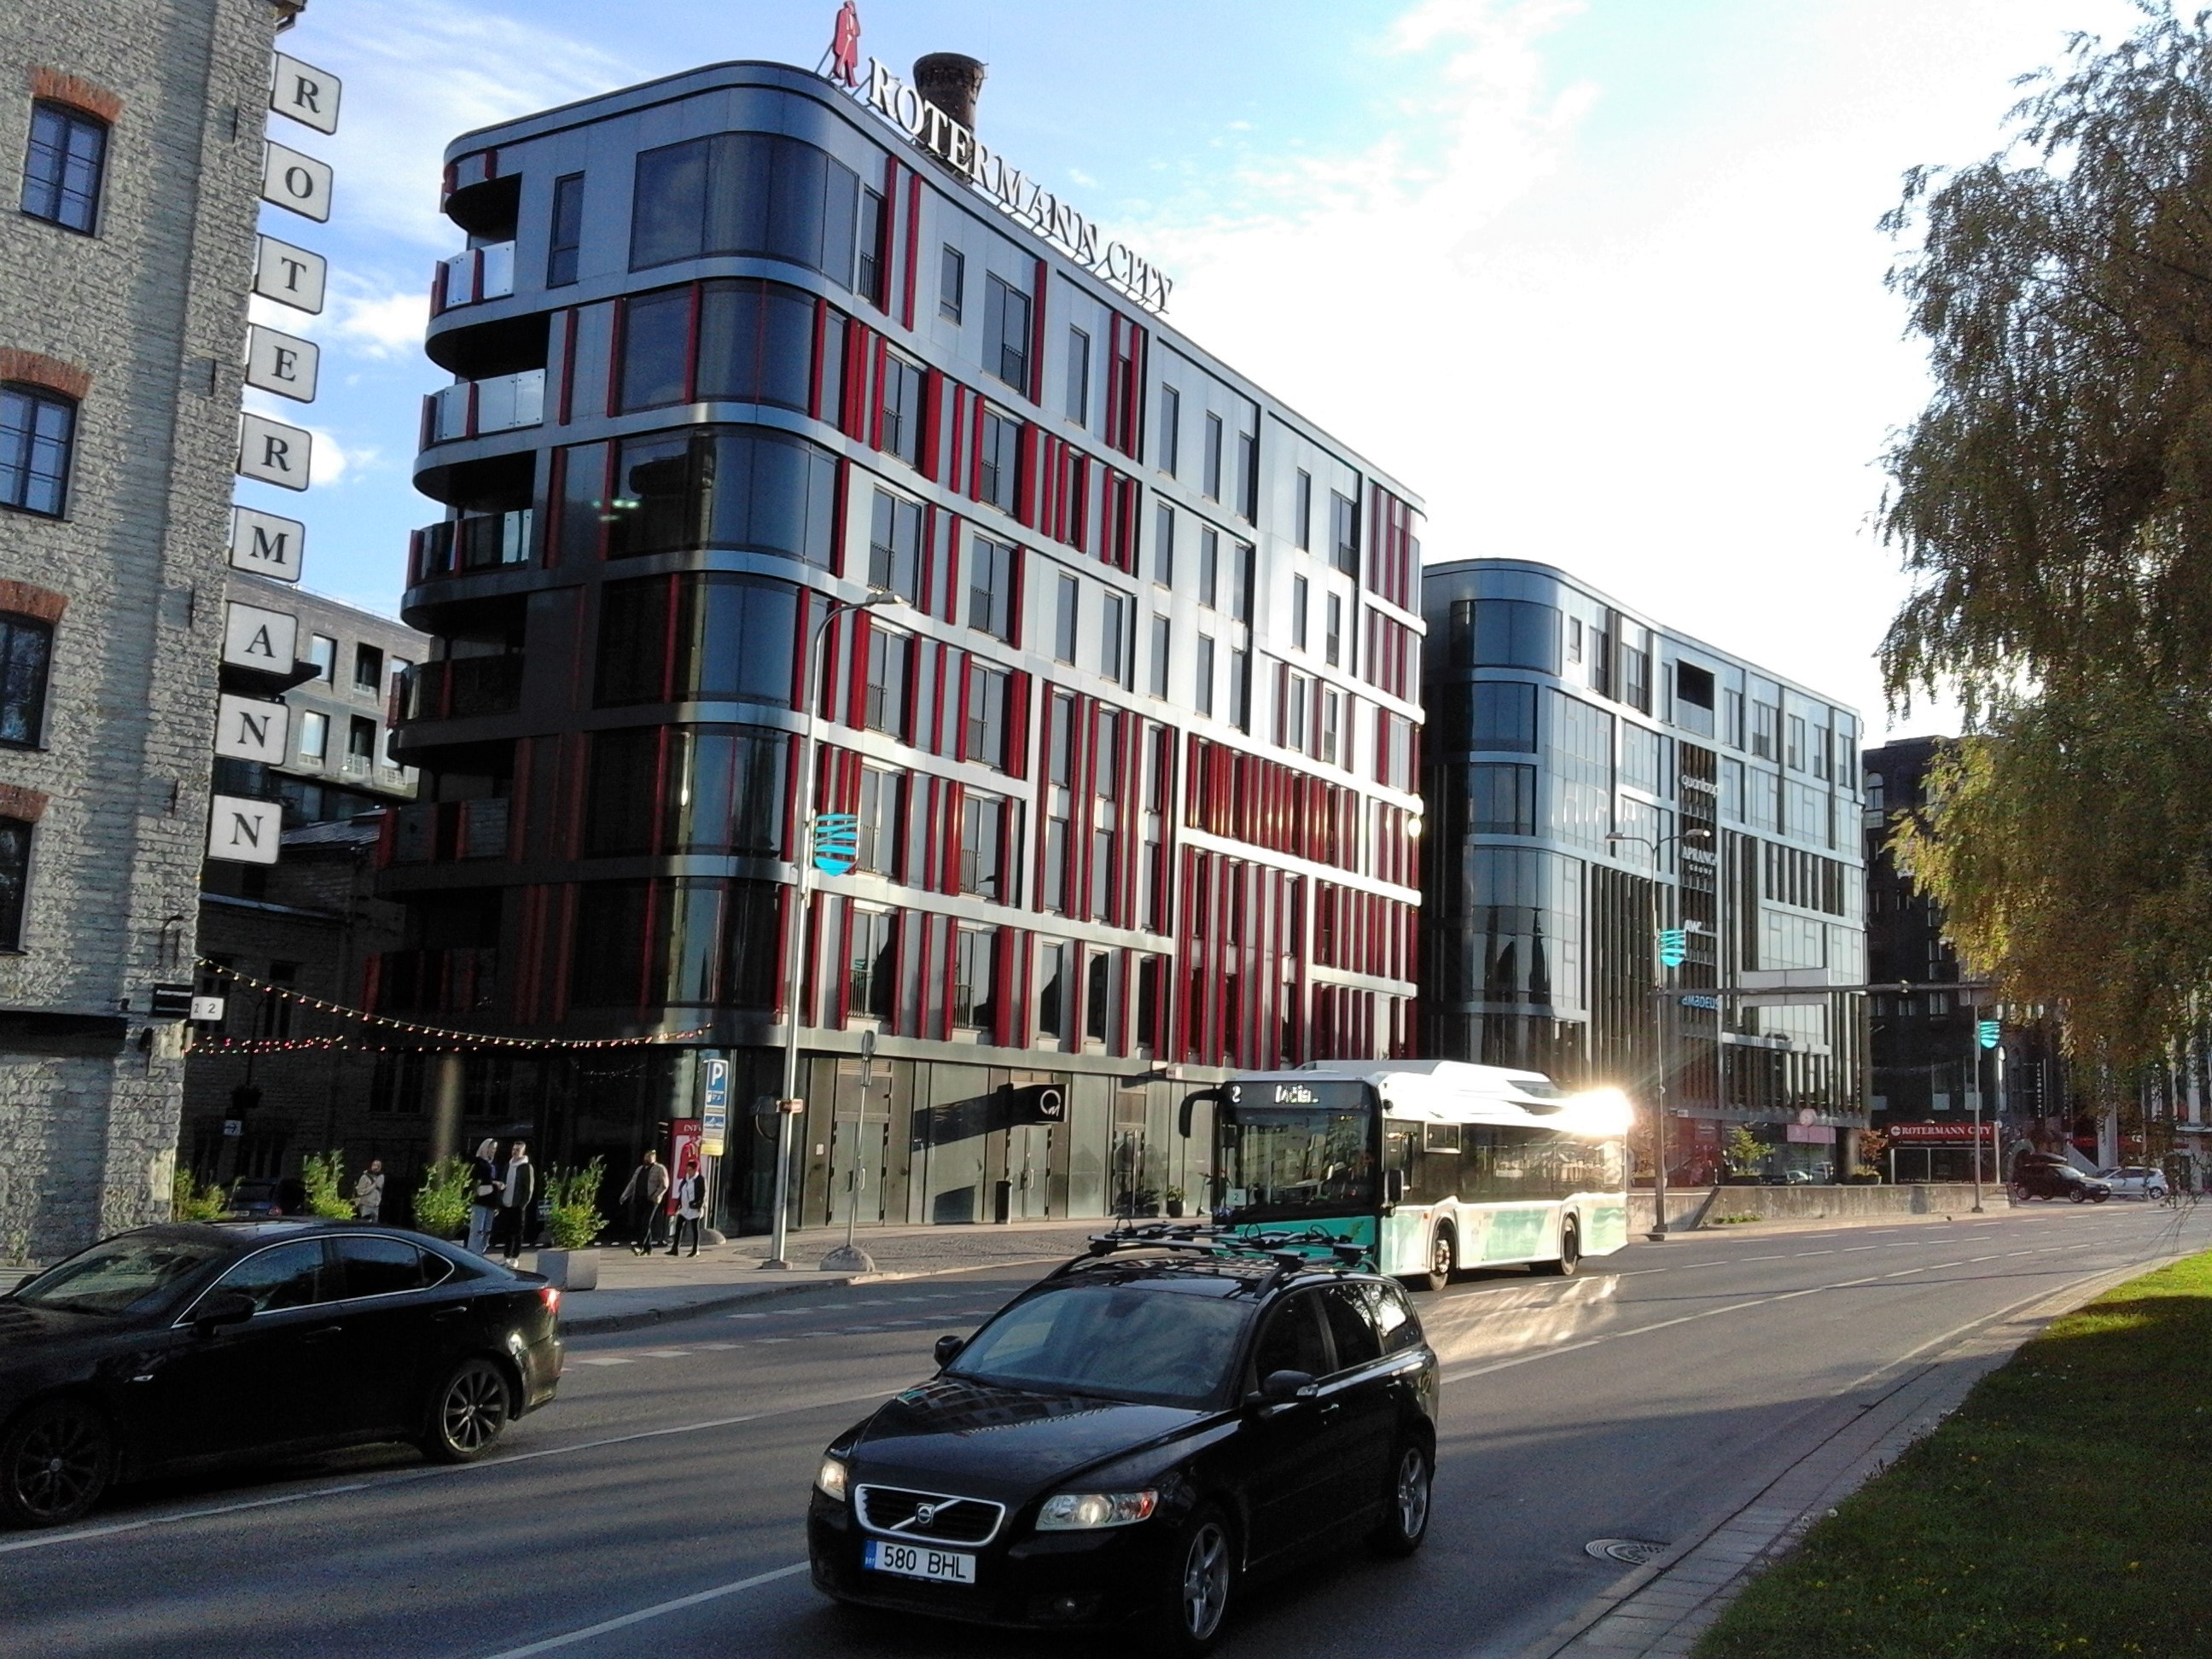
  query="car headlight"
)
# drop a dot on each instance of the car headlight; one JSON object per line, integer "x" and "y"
{"x": 829, "y": 1479}
{"x": 1079, "y": 1511}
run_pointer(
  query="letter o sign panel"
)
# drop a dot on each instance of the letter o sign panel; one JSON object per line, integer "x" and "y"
{"x": 295, "y": 181}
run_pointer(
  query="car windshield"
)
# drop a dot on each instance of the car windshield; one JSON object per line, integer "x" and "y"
{"x": 121, "y": 1275}
{"x": 1147, "y": 1343}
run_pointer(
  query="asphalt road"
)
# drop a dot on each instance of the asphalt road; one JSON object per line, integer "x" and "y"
{"x": 657, "y": 1506}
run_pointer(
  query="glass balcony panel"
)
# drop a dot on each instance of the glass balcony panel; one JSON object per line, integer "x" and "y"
{"x": 484, "y": 828}
{"x": 450, "y": 412}
{"x": 456, "y": 281}
{"x": 495, "y": 272}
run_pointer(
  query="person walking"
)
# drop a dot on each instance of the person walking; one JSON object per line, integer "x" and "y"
{"x": 690, "y": 1204}
{"x": 369, "y": 1192}
{"x": 641, "y": 1201}
{"x": 484, "y": 1190}
{"x": 518, "y": 1196}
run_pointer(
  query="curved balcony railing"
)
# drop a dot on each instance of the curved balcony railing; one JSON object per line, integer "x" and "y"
{"x": 455, "y": 688}
{"x": 479, "y": 542}
{"x": 471, "y": 409}
{"x": 440, "y": 832}
{"x": 473, "y": 276}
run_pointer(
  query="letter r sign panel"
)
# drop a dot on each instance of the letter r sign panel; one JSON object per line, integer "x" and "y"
{"x": 305, "y": 93}
{"x": 274, "y": 453}
{"x": 247, "y": 728}
{"x": 244, "y": 831}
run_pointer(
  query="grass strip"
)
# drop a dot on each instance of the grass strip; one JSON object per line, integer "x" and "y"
{"x": 2060, "y": 1510}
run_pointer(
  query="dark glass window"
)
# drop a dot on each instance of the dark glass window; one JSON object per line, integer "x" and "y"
{"x": 731, "y": 640}
{"x": 1148, "y": 1001}
{"x": 1064, "y": 632}
{"x": 568, "y": 232}
{"x": 1504, "y": 716}
{"x": 735, "y": 487}
{"x": 1240, "y": 702}
{"x": 607, "y": 969}
{"x": 868, "y": 276}
{"x": 15, "y": 880}
{"x": 990, "y": 588}
{"x": 1504, "y": 633}
{"x": 62, "y": 166}
{"x": 1502, "y": 801}
{"x": 368, "y": 668}
{"x": 1350, "y": 1323}
{"x": 889, "y": 656}
{"x": 1211, "y": 483}
{"x": 1006, "y": 334}
{"x": 583, "y": 506}
{"x": 974, "y": 978}
{"x": 370, "y": 1265}
{"x": 744, "y": 192}
{"x": 882, "y": 813}
{"x": 1099, "y": 996}
{"x": 1163, "y": 536}
{"x": 726, "y": 791}
{"x": 1344, "y": 534}
{"x": 1079, "y": 377}
{"x": 951, "y": 283}
{"x": 1000, "y": 458}
{"x": 1333, "y": 636}
{"x": 1205, "y": 674}
{"x": 1114, "y": 638}
{"x": 1248, "y": 476}
{"x": 755, "y": 343}
{"x": 895, "y": 546}
{"x": 1163, "y": 654}
{"x": 987, "y": 717}
{"x": 1053, "y": 989}
{"x": 1305, "y": 511}
{"x": 361, "y": 739}
{"x": 289, "y": 1276}
{"x": 872, "y": 977}
{"x": 981, "y": 826}
{"x": 621, "y": 803}
{"x": 1168, "y": 456}
{"x": 25, "y": 653}
{"x": 1242, "y": 577}
{"x": 1209, "y": 567}
{"x": 903, "y": 388}
{"x": 1300, "y": 599}
{"x": 38, "y": 431}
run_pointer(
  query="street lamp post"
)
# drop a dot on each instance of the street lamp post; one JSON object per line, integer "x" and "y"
{"x": 1658, "y": 1234}
{"x": 792, "y": 1104}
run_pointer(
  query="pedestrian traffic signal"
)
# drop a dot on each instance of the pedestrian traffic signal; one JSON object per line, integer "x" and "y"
{"x": 1988, "y": 1031}
{"x": 1674, "y": 947}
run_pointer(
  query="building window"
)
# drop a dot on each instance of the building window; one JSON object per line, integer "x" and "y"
{"x": 1333, "y": 636}
{"x": 755, "y": 193}
{"x": 38, "y": 431}
{"x": 1148, "y": 1002}
{"x": 656, "y": 349}
{"x": 999, "y": 459}
{"x": 1344, "y": 534}
{"x": 895, "y": 546}
{"x": 982, "y": 821}
{"x": 1211, "y": 481}
{"x": 1574, "y": 639}
{"x": 1794, "y": 755}
{"x": 15, "y": 880}
{"x": 62, "y": 166}
{"x": 1305, "y": 511}
{"x": 990, "y": 588}
{"x": 903, "y": 383}
{"x": 1161, "y": 655}
{"x": 1168, "y": 457}
{"x": 1114, "y": 638}
{"x": 1079, "y": 377}
{"x": 1060, "y": 801}
{"x": 314, "y": 735}
{"x": 25, "y": 653}
{"x": 1504, "y": 716}
{"x": 882, "y": 815}
{"x": 987, "y": 717}
{"x": 1294, "y": 714}
{"x": 323, "y": 652}
{"x": 951, "y": 283}
{"x": 1332, "y": 722}
{"x": 1240, "y": 578}
{"x": 1248, "y": 476}
{"x": 974, "y": 978}
{"x": 1209, "y": 567}
{"x": 1098, "y": 998}
{"x": 1502, "y": 634}
{"x": 1163, "y": 534}
{"x": 361, "y": 741}
{"x": 1071, "y": 600}
{"x": 1204, "y": 687}
{"x": 1299, "y": 597}
{"x": 1240, "y": 690}
{"x": 1501, "y": 800}
{"x": 1006, "y": 329}
{"x": 367, "y": 669}
{"x": 885, "y": 705}
{"x": 1054, "y": 990}
{"x": 871, "y": 980}
{"x": 567, "y": 234}
{"x": 868, "y": 241}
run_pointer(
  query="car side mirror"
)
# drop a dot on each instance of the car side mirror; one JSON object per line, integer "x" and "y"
{"x": 226, "y": 1308}
{"x": 1281, "y": 1387}
{"x": 947, "y": 1349}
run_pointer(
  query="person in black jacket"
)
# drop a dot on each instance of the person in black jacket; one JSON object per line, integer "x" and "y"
{"x": 484, "y": 1189}
{"x": 643, "y": 1200}
{"x": 518, "y": 1197}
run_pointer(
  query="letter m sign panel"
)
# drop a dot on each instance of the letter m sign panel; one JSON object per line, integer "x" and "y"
{"x": 244, "y": 831}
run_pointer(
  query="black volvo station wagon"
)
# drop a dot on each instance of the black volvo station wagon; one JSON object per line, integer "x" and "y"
{"x": 1137, "y": 1436}
{"x": 195, "y": 1344}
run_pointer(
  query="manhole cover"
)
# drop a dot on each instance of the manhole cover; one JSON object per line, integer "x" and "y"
{"x": 1633, "y": 1551}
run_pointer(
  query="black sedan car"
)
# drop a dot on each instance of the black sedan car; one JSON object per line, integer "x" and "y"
{"x": 1132, "y": 1439}
{"x": 2043, "y": 1175}
{"x": 174, "y": 1348}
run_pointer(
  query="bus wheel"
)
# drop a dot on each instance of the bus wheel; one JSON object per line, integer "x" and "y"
{"x": 1570, "y": 1253}
{"x": 1441, "y": 1257}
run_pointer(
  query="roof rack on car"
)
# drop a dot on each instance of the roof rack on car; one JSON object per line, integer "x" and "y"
{"x": 1282, "y": 1248}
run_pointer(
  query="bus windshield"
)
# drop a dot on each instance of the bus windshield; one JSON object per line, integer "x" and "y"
{"x": 1287, "y": 1161}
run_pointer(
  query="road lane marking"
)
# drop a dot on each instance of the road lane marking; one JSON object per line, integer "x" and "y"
{"x": 1783, "y": 1256}
{"x": 1815, "y": 1252}
{"x": 47, "y": 1540}
{"x": 601, "y": 1360}
{"x": 654, "y": 1612}
{"x": 1985, "y": 1258}
{"x": 1849, "y": 1249}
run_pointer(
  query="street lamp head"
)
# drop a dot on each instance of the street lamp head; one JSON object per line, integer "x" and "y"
{"x": 1696, "y": 834}
{"x": 879, "y": 596}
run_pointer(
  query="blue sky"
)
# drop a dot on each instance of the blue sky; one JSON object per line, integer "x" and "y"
{"x": 1599, "y": 278}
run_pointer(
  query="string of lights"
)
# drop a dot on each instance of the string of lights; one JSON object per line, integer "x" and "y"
{"x": 445, "y": 1037}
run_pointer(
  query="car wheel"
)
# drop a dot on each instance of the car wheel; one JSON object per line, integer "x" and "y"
{"x": 2099, "y": 1198}
{"x": 1194, "y": 1598}
{"x": 1443, "y": 1250}
{"x": 1405, "y": 1517}
{"x": 1571, "y": 1253}
{"x": 54, "y": 1464}
{"x": 468, "y": 1414}
{"x": 2078, "y": 1196}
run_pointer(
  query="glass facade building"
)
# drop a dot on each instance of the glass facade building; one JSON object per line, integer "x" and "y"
{"x": 1132, "y": 756}
{"x": 1578, "y": 755}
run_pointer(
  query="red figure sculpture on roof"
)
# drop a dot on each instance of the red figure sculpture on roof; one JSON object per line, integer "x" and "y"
{"x": 845, "y": 45}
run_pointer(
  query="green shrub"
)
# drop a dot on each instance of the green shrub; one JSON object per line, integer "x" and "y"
{"x": 190, "y": 1201}
{"x": 320, "y": 1174}
{"x": 442, "y": 1202}
{"x": 573, "y": 1220}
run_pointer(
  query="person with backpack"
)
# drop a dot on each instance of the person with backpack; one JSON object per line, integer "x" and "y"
{"x": 690, "y": 1205}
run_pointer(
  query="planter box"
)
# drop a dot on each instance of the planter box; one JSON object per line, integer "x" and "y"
{"x": 572, "y": 1270}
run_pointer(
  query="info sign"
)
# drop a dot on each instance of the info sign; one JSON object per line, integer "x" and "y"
{"x": 713, "y": 1106}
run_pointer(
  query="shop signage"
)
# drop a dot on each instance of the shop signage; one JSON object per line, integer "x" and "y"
{"x": 1960, "y": 1134}
{"x": 244, "y": 831}
{"x": 290, "y": 275}
{"x": 1014, "y": 192}
{"x": 254, "y": 638}
{"x": 274, "y": 453}
{"x": 295, "y": 181}
{"x": 713, "y": 1106}
{"x": 247, "y": 728}
{"x": 307, "y": 95}
{"x": 266, "y": 544}
{"x": 283, "y": 363}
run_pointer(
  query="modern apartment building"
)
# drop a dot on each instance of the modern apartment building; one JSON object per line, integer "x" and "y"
{"x": 1591, "y": 775}
{"x": 131, "y": 138}
{"x": 1126, "y": 725}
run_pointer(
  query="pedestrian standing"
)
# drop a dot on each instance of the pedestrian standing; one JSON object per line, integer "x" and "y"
{"x": 518, "y": 1195}
{"x": 485, "y": 1188}
{"x": 369, "y": 1192}
{"x": 641, "y": 1201}
{"x": 690, "y": 1202}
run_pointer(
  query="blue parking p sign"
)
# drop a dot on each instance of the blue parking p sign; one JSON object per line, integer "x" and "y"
{"x": 713, "y": 1106}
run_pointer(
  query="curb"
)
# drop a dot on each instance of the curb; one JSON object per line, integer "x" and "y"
{"x": 597, "y": 1324}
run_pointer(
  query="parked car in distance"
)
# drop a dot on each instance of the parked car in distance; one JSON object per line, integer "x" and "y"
{"x": 191, "y": 1345}
{"x": 1135, "y": 1440}
{"x": 2135, "y": 1181}
{"x": 253, "y": 1198}
{"x": 2041, "y": 1175}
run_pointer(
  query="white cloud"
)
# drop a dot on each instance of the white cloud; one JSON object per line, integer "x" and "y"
{"x": 388, "y": 326}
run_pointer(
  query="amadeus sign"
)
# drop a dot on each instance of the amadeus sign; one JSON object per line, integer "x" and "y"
{"x": 1018, "y": 195}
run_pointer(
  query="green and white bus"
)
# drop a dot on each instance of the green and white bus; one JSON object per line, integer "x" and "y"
{"x": 1434, "y": 1164}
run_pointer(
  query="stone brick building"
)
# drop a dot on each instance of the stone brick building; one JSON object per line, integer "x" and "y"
{"x": 133, "y": 136}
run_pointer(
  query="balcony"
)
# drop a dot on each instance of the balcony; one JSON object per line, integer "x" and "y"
{"x": 480, "y": 542}
{"x": 439, "y": 832}
{"x": 457, "y": 981}
{"x": 474, "y": 409}
{"x": 474, "y": 276}
{"x": 455, "y": 688}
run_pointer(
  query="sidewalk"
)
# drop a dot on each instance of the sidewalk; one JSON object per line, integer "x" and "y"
{"x": 637, "y": 1290}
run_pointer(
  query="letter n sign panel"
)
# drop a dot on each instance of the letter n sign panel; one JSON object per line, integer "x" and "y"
{"x": 244, "y": 831}
{"x": 247, "y": 728}
{"x": 274, "y": 453}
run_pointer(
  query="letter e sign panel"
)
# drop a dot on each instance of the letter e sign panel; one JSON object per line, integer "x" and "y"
{"x": 283, "y": 363}
{"x": 247, "y": 728}
{"x": 254, "y": 638}
{"x": 244, "y": 831}
{"x": 274, "y": 453}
